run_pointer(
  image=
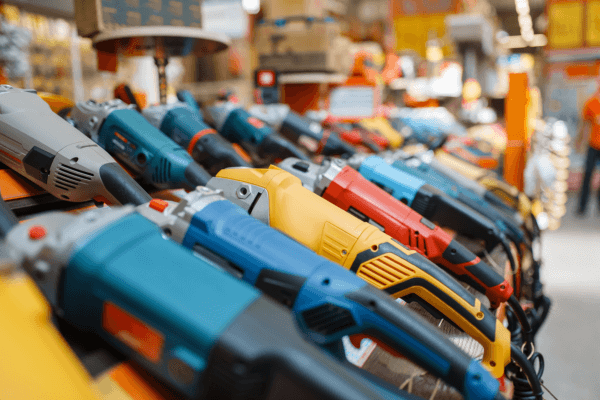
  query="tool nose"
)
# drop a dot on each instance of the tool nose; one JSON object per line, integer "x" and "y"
{"x": 121, "y": 186}
{"x": 196, "y": 176}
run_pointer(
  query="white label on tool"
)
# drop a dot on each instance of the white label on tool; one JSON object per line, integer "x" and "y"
{"x": 355, "y": 102}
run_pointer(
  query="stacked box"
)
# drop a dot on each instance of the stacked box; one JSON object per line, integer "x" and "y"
{"x": 302, "y": 44}
{"x": 95, "y": 16}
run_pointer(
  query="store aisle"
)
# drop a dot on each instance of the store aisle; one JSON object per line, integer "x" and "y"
{"x": 570, "y": 339}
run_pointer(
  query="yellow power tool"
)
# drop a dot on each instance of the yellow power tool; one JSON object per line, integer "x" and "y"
{"x": 278, "y": 198}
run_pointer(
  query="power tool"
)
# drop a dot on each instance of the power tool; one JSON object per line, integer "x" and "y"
{"x": 194, "y": 327}
{"x": 145, "y": 150}
{"x": 44, "y": 148}
{"x": 346, "y": 188}
{"x": 509, "y": 224}
{"x": 294, "y": 126}
{"x": 36, "y": 361}
{"x": 184, "y": 126}
{"x": 278, "y": 198}
{"x": 431, "y": 202}
{"x": 238, "y": 126}
{"x": 328, "y": 301}
{"x": 186, "y": 97}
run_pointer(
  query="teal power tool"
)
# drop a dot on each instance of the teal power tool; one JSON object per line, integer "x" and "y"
{"x": 183, "y": 124}
{"x": 145, "y": 150}
{"x": 328, "y": 301}
{"x": 294, "y": 126}
{"x": 193, "y": 326}
{"x": 238, "y": 126}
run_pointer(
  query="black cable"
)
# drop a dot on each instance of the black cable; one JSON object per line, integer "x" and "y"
{"x": 526, "y": 381}
{"x": 527, "y": 331}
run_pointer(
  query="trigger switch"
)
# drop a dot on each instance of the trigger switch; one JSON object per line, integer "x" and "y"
{"x": 301, "y": 166}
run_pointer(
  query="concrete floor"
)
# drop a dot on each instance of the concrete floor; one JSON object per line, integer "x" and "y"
{"x": 570, "y": 338}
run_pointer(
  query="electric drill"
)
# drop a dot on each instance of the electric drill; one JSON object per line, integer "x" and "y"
{"x": 193, "y": 326}
{"x": 329, "y": 302}
{"x": 237, "y": 126}
{"x": 44, "y": 148}
{"x": 277, "y": 198}
{"x": 185, "y": 127}
{"x": 36, "y": 361}
{"x": 431, "y": 202}
{"x": 146, "y": 151}
{"x": 293, "y": 125}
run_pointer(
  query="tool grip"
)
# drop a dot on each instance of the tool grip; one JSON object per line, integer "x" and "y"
{"x": 435, "y": 352}
{"x": 446, "y": 211}
{"x": 214, "y": 152}
{"x": 121, "y": 186}
{"x": 186, "y": 97}
{"x": 274, "y": 144}
{"x": 260, "y": 355}
{"x": 414, "y": 278}
{"x": 471, "y": 269}
{"x": 7, "y": 219}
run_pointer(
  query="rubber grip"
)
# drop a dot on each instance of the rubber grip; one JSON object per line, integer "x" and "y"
{"x": 295, "y": 126}
{"x": 212, "y": 149}
{"x": 484, "y": 278}
{"x": 446, "y": 211}
{"x": 7, "y": 219}
{"x": 262, "y": 346}
{"x": 195, "y": 176}
{"x": 121, "y": 186}
{"x": 274, "y": 144}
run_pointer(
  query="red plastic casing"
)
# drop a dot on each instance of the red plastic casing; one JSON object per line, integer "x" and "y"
{"x": 351, "y": 189}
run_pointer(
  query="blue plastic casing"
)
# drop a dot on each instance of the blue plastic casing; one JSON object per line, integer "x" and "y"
{"x": 185, "y": 299}
{"x": 181, "y": 124}
{"x": 401, "y": 185}
{"x": 504, "y": 222}
{"x": 150, "y": 154}
{"x": 309, "y": 284}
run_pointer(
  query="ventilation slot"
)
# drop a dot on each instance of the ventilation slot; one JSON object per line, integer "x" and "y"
{"x": 162, "y": 172}
{"x": 68, "y": 178}
{"x": 328, "y": 319}
{"x": 384, "y": 270}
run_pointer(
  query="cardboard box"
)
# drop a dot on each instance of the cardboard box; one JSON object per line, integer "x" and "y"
{"x": 95, "y": 16}
{"x": 302, "y": 45}
{"x": 275, "y": 9}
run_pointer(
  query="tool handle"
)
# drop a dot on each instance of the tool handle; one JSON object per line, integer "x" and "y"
{"x": 260, "y": 355}
{"x": 7, "y": 219}
{"x": 241, "y": 127}
{"x": 446, "y": 211}
{"x": 121, "y": 186}
{"x": 412, "y": 277}
{"x": 349, "y": 190}
{"x": 275, "y": 144}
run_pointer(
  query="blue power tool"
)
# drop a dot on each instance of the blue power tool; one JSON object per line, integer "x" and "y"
{"x": 329, "y": 302}
{"x": 145, "y": 150}
{"x": 113, "y": 273}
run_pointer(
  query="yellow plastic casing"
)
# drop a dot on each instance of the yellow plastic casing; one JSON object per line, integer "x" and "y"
{"x": 36, "y": 361}
{"x": 384, "y": 128}
{"x": 340, "y": 237}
